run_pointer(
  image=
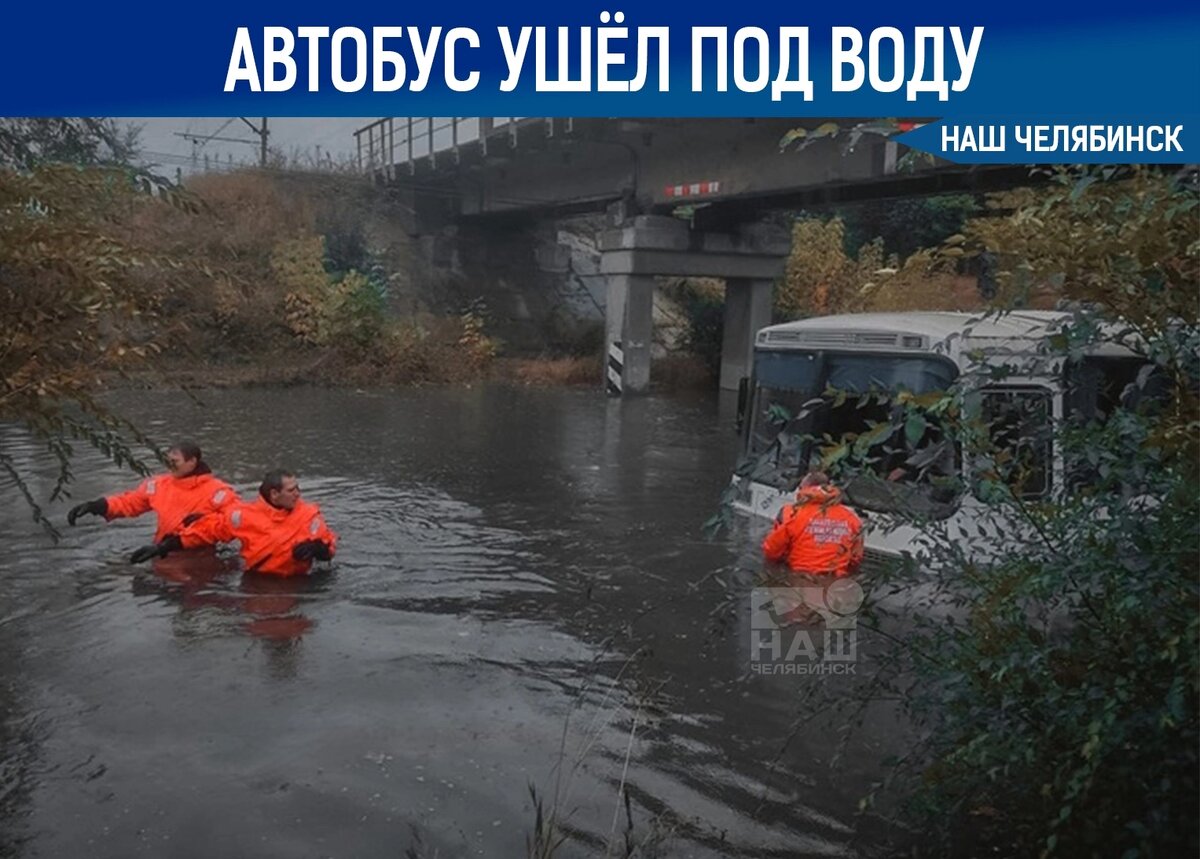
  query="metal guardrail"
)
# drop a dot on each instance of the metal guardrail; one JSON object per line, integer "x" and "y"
{"x": 397, "y": 143}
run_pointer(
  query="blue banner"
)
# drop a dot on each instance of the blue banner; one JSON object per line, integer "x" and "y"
{"x": 1066, "y": 65}
{"x": 1102, "y": 140}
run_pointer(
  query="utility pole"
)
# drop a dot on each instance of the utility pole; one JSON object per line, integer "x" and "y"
{"x": 262, "y": 136}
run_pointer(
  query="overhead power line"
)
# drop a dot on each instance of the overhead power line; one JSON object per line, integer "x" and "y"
{"x": 261, "y": 131}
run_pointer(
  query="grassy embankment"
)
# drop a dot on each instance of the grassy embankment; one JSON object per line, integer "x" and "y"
{"x": 291, "y": 282}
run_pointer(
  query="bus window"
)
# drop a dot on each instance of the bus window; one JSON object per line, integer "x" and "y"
{"x": 1098, "y": 386}
{"x": 792, "y": 384}
{"x": 1019, "y": 428}
{"x": 902, "y": 474}
{"x": 777, "y": 421}
{"x": 785, "y": 382}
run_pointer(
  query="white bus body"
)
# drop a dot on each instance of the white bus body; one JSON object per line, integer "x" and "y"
{"x": 920, "y": 352}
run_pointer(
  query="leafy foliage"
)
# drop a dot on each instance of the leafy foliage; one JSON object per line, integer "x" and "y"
{"x": 478, "y": 348}
{"x": 297, "y": 266}
{"x": 26, "y": 142}
{"x": 907, "y": 224}
{"x": 821, "y": 278}
{"x": 1052, "y": 647}
{"x": 1123, "y": 239}
{"x": 346, "y": 312}
{"x": 1047, "y": 649}
{"x": 848, "y": 138}
{"x": 78, "y": 295}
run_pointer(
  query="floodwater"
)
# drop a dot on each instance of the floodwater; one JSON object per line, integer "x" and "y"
{"x": 523, "y": 599}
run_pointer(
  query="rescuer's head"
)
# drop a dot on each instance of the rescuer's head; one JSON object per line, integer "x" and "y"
{"x": 185, "y": 459}
{"x": 280, "y": 489}
{"x": 815, "y": 478}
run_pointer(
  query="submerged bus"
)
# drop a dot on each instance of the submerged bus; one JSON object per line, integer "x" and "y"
{"x": 797, "y": 366}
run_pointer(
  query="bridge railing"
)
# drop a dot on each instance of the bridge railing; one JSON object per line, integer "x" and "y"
{"x": 395, "y": 144}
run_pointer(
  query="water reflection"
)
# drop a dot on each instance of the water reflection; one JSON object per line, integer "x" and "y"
{"x": 215, "y": 598}
{"x": 205, "y": 585}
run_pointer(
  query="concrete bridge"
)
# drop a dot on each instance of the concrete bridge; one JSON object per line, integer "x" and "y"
{"x": 682, "y": 197}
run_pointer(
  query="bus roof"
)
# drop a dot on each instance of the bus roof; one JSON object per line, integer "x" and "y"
{"x": 918, "y": 331}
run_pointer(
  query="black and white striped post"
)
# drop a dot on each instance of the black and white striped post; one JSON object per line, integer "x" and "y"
{"x": 615, "y": 367}
{"x": 628, "y": 333}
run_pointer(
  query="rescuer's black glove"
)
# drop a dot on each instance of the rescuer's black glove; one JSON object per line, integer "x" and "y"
{"x": 161, "y": 549}
{"x": 310, "y": 549}
{"x": 99, "y": 507}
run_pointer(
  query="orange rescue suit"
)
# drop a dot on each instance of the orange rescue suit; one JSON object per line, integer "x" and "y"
{"x": 172, "y": 499}
{"x": 818, "y": 534}
{"x": 267, "y": 534}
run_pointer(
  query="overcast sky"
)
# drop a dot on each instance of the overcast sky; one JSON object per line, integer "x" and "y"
{"x": 294, "y": 137}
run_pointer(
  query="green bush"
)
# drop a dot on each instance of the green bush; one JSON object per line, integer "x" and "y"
{"x": 907, "y": 224}
{"x": 346, "y": 313}
{"x": 1052, "y": 657}
{"x": 354, "y": 312}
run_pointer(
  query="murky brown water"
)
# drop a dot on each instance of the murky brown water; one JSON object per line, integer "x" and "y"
{"x": 522, "y": 596}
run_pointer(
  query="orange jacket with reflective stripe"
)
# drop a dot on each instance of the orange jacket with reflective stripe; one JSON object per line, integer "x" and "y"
{"x": 172, "y": 498}
{"x": 267, "y": 534}
{"x": 818, "y": 534}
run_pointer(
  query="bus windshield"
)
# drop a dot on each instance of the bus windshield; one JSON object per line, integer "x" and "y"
{"x": 789, "y": 405}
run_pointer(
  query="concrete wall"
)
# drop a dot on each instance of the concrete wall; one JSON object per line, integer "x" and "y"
{"x": 538, "y": 279}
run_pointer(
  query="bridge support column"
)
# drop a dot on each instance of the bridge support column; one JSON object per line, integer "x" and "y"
{"x": 629, "y": 327}
{"x": 747, "y": 309}
{"x": 633, "y": 254}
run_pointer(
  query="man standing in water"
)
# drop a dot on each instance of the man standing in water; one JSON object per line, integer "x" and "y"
{"x": 818, "y": 534}
{"x": 188, "y": 491}
{"x": 280, "y": 534}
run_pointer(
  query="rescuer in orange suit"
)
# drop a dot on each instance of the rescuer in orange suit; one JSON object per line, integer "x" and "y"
{"x": 818, "y": 534}
{"x": 188, "y": 491}
{"x": 280, "y": 534}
